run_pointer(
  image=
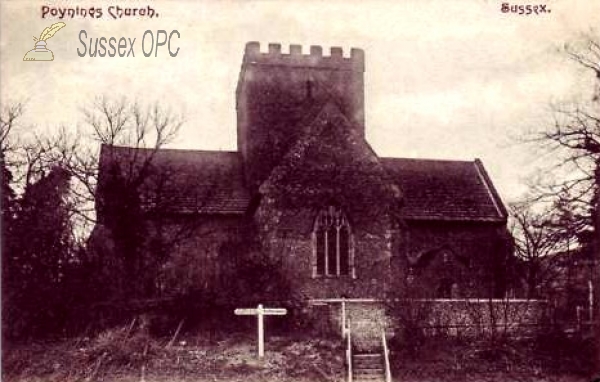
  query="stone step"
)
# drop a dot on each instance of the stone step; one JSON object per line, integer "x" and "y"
{"x": 368, "y": 356}
{"x": 367, "y": 339}
{"x": 367, "y": 361}
{"x": 368, "y": 371}
{"x": 367, "y": 346}
{"x": 369, "y": 378}
{"x": 367, "y": 364}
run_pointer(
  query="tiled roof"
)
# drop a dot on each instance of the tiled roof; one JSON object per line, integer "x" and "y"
{"x": 213, "y": 182}
{"x": 190, "y": 181}
{"x": 445, "y": 190}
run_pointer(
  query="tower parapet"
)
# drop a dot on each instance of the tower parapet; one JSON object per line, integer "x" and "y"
{"x": 296, "y": 58}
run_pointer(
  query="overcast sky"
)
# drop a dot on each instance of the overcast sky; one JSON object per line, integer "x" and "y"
{"x": 444, "y": 79}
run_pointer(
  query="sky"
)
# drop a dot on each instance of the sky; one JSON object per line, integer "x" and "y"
{"x": 443, "y": 79}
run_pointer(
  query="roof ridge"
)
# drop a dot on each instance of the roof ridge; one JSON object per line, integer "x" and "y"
{"x": 430, "y": 159}
{"x": 171, "y": 149}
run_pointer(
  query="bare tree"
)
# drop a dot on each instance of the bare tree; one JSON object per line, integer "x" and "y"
{"x": 147, "y": 202}
{"x": 28, "y": 154}
{"x": 114, "y": 122}
{"x": 125, "y": 137}
{"x": 539, "y": 237}
{"x": 37, "y": 246}
{"x": 125, "y": 123}
{"x": 9, "y": 119}
{"x": 574, "y": 140}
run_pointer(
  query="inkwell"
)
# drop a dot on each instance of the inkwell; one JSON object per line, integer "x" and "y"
{"x": 40, "y": 51}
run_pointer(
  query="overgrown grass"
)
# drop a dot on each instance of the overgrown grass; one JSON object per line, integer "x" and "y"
{"x": 133, "y": 353}
{"x": 122, "y": 354}
{"x": 546, "y": 358}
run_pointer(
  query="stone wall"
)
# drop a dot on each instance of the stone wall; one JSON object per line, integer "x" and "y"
{"x": 366, "y": 318}
{"x": 294, "y": 248}
{"x": 471, "y": 317}
{"x": 466, "y": 317}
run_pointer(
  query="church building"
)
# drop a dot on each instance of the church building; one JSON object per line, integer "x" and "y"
{"x": 342, "y": 221}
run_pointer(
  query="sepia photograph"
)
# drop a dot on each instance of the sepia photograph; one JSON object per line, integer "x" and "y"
{"x": 328, "y": 191}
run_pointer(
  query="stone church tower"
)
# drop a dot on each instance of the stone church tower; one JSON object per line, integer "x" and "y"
{"x": 277, "y": 92}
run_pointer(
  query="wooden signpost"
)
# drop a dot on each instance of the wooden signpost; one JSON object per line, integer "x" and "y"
{"x": 260, "y": 312}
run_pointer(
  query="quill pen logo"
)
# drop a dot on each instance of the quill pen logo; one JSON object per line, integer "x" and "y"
{"x": 40, "y": 52}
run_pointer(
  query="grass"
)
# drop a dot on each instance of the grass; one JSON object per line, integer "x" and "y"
{"x": 122, "y": 355}
{"x": 449, "y": 360}
{"x": 115, "y": 356}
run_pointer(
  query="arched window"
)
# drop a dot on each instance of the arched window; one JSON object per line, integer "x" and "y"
{"x": 332, "y": 242}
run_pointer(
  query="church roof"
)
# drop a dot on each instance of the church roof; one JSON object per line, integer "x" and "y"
{"x": 212, "y": 182}
{"x": 445, "y": 190}
{"x": 194, "y": 181}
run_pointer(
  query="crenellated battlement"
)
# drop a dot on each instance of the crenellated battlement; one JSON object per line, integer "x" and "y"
{"x": 296, "y": 58}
